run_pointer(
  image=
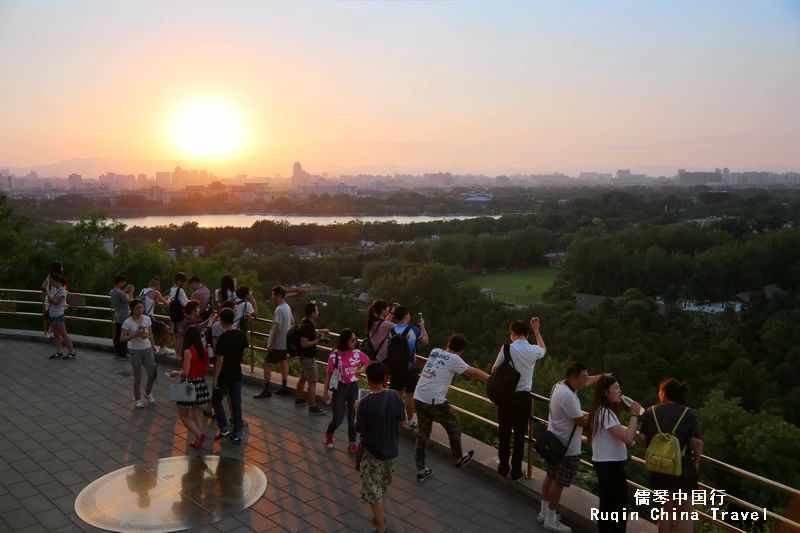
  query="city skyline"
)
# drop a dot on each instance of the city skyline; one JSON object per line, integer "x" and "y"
{"x": 360, "y": 87}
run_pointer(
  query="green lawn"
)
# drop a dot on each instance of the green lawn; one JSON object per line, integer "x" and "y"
{"x": 513, "y": 283}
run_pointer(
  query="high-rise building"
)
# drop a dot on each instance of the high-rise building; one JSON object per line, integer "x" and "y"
{"x": 74, "y": 180}
{"x": 142, "y": 179}
{"x": 163, "y": 179}
{"x": 180, "y": 178}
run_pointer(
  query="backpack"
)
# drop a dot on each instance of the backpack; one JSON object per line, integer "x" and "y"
{"x": 143, "y": 297}
{"x": 205, "y": 314}
{"x": 502, "y": 384}
{"x": 368, "y": 348}
{"x": 175, "y": 307}
{"x": 397, "y": 350}
{"x": 664, "y": 455}
{"x": 293, "y": 345}
{"x": 241, "y": 320}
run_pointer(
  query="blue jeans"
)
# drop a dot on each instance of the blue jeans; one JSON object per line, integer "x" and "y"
{"x": 345, "y": 394}
{"x": 235, "y": 391}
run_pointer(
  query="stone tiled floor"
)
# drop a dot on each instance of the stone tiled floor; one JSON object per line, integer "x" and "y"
{"x": 66, "y": 423}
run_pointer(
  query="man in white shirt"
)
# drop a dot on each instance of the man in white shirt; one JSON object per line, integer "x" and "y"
{"x": 566, "y": 418}
{"x": 515, "y": 415}
{"x": 276, "y": 349}
{"x": 430, "y": 401}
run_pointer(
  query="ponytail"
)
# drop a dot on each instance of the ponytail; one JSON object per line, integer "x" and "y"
{"x": 373, "y": 311}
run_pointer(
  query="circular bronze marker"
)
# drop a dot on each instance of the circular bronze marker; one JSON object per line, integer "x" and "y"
{"x": 171, "y": 494}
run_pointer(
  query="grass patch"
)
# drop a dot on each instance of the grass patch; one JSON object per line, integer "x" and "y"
{"x": 511, "y": 284}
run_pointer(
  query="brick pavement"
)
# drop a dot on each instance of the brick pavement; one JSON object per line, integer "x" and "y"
{"x": 67, "y": 423}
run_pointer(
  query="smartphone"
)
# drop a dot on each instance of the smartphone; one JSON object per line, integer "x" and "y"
{"x": 419, "y": 316}
{"x": 362, "y": 393}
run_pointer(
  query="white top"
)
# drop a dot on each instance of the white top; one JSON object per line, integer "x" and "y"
{"x": 49, "y": 288}
{"x": 241, "y": 305}
{"x": 524, "y": 356}
{"x": 437, "y": 376}
{"x": 138, "y": 343}
{"x": 179, "y": 293}
{"x": 149, "y": 303}
{"x": 283, "y": 317}
{"x": 230, "y": 295}
{"x": 565, "y": 407}
{"x": 57, "y": 310}
{"x": 605, "y": 446}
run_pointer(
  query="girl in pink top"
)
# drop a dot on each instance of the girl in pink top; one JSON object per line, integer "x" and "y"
{"x": 344, "y": 361}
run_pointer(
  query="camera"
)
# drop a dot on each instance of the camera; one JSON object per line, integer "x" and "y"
{"x": 323, "y": 338}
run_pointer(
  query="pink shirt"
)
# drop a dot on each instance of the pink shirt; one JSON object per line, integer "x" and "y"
{"x": 348, "y": 364}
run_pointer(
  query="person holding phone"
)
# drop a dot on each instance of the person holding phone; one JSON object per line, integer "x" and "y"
{"x": 138, "y": 331}
{"x": 401, "y": 357}
{"x": 121, "y": 296}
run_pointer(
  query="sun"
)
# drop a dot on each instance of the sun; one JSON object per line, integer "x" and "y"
{"x": 207, "y": 129}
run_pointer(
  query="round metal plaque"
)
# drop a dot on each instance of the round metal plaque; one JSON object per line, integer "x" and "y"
{"x": 171, "y": 494}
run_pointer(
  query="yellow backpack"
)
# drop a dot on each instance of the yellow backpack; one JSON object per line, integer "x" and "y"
{"x": 664, "y": 453}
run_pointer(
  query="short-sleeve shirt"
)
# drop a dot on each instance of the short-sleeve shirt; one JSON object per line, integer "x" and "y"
{"x": 57, "y": 310}
{"x": 565, "y": 407}
{"x": 668, "y": 414}
{"x": 384, "y": 443}
{"x": 308, "y": 331}
{"x": 283, "y": 317}
{"x": 524, "y": 356}
{"x": 438, "y": 374}
{"x": 242, "y": 308}
{"x": 414, "y": 335}
{"x": 231, "y": 346}
{"x": 229, "y": 295}
{"x": 216, "y": 330}
{"x": 379, "y": 337}
{"x": 119, "y": 301}
{"x": 178, "y": 293}
{"x": 138, "y": 342}
{"x": 202, "y": 295}
{"x": 605, "y": 446}
{"x": 348, "y": 364}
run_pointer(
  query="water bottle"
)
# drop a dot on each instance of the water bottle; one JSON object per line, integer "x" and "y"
{"x": 627, "y": 401}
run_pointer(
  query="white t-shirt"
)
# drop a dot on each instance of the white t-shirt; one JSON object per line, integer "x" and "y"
{"x": 149, "y": 303}
{"x": 229, "y": 295}
{"x": 283, "y": 317}
{"x": 138, "y": 343}
{"x": 437, "y": 376}
{"x": 179, "y": 293}
{"x": 49, "y": 288}
{"x": 605, "y": 446}
{"x": 565, "y": 407}
{"x": 57, "y": 310}
{"x": 524, "y": 356}
{"x": 241, "y": 305}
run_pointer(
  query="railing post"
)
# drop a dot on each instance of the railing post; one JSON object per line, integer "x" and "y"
{"x": 44, "y": 315}
{"x": 530, "y": 440}
{"x": 252, "y": 347}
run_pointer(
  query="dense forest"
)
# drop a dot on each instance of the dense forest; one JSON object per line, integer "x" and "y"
{"x": 630, "y": 245}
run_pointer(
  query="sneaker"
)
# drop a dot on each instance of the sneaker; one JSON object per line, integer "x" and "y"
{"x": 150, "y": 399}
{"x": 164, "y": 351}
{"x": 300, "y": 401}
{"x": 49, "y": 334}
{"x": 465, "y": 458}
{"x": 541, "y": 518}
{"x": 316, "y": 411}
{"x": 266, "y": 393}
{"x": 352, "y": 449}
{"x": 139, "y": 404}
{"x": 236, "y": 440}
{"x": 222, "y": 435}
{"x": 284, "y": 391}
{"x": 57, "y": 355}
{"x": 329, "y": 441}
{"x": 70, "y": 355}
{"x": 424, "y": 475}
{"x": 123, "y": 358}
{"x": 503, "y": 470}
{"x": 556, "y": 525}
{"x": 412, "y": 424}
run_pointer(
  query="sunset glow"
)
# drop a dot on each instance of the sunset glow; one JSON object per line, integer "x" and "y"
{"x": 207, "y": 130}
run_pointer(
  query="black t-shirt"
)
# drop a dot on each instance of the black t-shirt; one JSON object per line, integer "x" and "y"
{"x": 308, "y": 331}
{"x": 231, "y": 346}
{"x": 668, "y": 414}
{"x": 386, "y": 440}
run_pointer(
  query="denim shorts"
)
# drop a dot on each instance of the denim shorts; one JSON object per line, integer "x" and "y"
{"x": 57, "y": 319}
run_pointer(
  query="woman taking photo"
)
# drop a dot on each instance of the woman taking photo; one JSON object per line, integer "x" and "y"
{"x": 137, "y": 331}
{"x": 192, "y": 313}
{"x": 673, "y": 415}
{"x": 346, "y": 359}
{"x": 610, "y": 441}
{"x": 57, "y": 298}
{"x": 379, "y": 326}
{"x": 226, "y": 291}
{"x": 195, "y": 366}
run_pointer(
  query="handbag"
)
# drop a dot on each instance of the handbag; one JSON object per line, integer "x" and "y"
{"x": 369, "y": 349}
{"x": 369, "y": 440}
{"x": 336, "y": 375}
{"x": 550, "y": 447}
{"x": 182, "y": 391}
{"x": 502, "y": 384}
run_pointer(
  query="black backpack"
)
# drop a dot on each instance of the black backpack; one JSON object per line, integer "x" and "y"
{"x": 205, "y": 314}
{"x": 502, "y": 384}
{"x": 397, "y": 350}
{"x": 243, "y": 319}
{"x": 369, "y": 348}
{"x": 293, "y": 345}
{"x": 175, "y": 307}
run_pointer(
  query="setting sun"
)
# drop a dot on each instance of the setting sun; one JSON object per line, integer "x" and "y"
{"x": 207, "y": 130}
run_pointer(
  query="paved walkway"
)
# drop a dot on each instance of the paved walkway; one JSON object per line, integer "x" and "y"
{"x": 66, "y": 423}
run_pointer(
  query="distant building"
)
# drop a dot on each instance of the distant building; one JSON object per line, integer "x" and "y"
{"x": 163, "y": 179}
{"x": 74, "y": 181}
{"x": 332, "y": 190}
{"x": 142, "y": 179}
{"x": 158, "y": 195}
{"x": 699, "y": 178}
{"x": 555, "y": 259}
{"x": 489, "y": 293}
{"x": 502, "y": 181}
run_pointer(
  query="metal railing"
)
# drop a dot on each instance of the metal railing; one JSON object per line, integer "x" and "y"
{"x": 8, "y": 306}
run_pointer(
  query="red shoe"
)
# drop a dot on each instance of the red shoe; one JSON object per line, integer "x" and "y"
{"x": 353, "y": 449}
{"x": 329, "y": 441}
{"x": 200, "y": 440}
{"x": 193, "y": 444}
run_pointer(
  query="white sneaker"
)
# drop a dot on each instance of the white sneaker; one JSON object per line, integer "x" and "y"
{"x": 557, "y": 526}
{"x": 139, "y": 404}
{"x": 541, "y": 518}
{"x": 165, "y": 351}
{"x": 151, "y": 399}
{"x": 412, "y": 424}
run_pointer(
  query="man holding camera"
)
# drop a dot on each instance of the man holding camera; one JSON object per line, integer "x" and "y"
{"x": 310, "y": 337}
{"x": 121, "y": 296}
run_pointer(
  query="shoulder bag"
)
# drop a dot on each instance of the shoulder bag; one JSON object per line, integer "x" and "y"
{"x": 550, "y": 447}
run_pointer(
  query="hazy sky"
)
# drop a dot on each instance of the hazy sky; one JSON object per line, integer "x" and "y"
{"x": 485, "y": 86}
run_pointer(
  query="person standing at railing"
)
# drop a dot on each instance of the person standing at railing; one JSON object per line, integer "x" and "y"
{"x": 401, "y": 357}
{"x": 430, "y": 400}
{"x": 201, "y": 293}
{"x": 610, "y": 442}
{"x": 309, "y": 339}
{"x": 150, "y": 296}
{"x": 566, "y": 419}
{"x": 177, "y": 299}
{"x": 226, "y": 291}
{"x": 138, "y": 331}
{"x": 276, "y": 348}
{"x": 245, "y": 307}
{"x": 515, "y": 415}
{"x": 672, "y": 395}
{"x": 57, "y": 298}
{"x": 379, "y": 324}
{"x": 56, "y": 268}
{"x": 121, "y": 296}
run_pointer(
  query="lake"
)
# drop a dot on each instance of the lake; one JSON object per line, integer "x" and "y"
{"x": 245, "y": 221}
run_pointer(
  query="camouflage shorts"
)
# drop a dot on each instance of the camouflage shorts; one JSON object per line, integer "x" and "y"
{"x": 376, "y": 476}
